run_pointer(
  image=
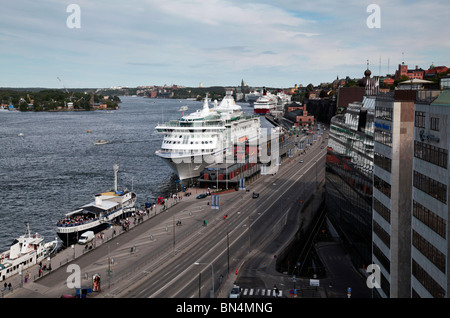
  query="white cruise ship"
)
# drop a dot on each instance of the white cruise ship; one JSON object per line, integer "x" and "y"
{"x": 283, "y": 99}
{"x": 252, "y": 96}
{"x": 265, "y": 103}
{"x": 206, "y": 136}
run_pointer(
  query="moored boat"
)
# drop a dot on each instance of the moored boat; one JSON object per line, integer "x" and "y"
{"x": 205, "y": 136}
{"x": 96, "y": 216}
{"x": 265, "y": 103}
{"x": 26, "y": 251}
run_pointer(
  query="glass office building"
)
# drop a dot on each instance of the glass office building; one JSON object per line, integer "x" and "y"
{"x": 349, "y": 174}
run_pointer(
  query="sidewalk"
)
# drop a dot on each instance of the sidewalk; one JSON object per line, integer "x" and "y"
{"x": 30, "y": 276}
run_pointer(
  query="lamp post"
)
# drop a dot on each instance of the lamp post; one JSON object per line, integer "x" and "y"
{"x": 212, "y": 274}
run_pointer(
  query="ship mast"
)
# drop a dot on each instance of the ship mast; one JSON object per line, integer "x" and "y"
{"x": 116, "y": 169}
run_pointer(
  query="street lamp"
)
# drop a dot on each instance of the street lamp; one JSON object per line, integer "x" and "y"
{"x": 212, "y": 275}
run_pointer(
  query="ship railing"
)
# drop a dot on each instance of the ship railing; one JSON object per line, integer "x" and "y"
{"x": 188, "y": 124}
{"x": 76, "y": 224}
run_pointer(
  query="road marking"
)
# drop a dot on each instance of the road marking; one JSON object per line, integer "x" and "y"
{"x": 238, "y": 237}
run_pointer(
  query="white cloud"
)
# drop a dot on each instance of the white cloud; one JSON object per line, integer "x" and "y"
{"x": 273, "y": 43}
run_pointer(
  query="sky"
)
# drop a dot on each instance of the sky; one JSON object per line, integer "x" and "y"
{"x": 281, "y": 43}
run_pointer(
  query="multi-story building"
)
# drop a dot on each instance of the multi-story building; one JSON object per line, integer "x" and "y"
{"x": 392, "y": 182}
{"x": 387, "y": 188}
{"x": 349, "y": 168}
{"x": 298, "y": 115}
{"x": 430, "y": 197}
{"x": 403, "y": 70}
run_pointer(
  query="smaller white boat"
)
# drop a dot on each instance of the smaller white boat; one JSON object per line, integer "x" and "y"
{"x": 183, "y": 109}
{"x": 101, "y": 142}
{"x": 26, "y": 251}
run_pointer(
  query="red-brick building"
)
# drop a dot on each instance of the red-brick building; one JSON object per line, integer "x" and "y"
{"x": 298, "y": 114}
{"x": 403, "y": 70}
{"x": 434, "y": 71}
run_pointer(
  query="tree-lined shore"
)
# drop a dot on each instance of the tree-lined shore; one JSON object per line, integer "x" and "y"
{"x": 55, "y": 100}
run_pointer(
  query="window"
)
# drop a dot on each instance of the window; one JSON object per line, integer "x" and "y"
{"x": 382, "y": 210}
{"x": 383, "y": 137}
{"x": 382, "y": 234}
{"x": 382, "y": 161}
{"x": 434, "y": 123}
{"x": 432, "y": 154}
{"x": 430, "y": 219}
{"x": 382, "y": 186}
{"x": 429, "y": 251}
{"x": 430, "y": 186}
{"x": 381, "y": 257}
{"x": 383, "y": 113}
{"x": 427, "y": 281}
{"x": 419, "y": 119}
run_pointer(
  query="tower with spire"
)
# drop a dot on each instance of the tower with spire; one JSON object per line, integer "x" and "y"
{"x": 371, "y": 85}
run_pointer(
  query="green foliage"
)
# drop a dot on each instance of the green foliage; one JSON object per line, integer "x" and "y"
{"x": 52, "y": 99}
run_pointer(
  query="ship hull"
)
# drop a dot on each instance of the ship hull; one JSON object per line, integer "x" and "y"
{"x": 261, "y": 111}
{"x": 187, "y": 167}
{"x": 72, "y": 237}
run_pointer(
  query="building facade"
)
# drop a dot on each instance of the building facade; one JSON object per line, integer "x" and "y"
{"x": 403, "y": 70}
{"x": 392, "y": 181}
{"x": 430, "y": 212}
{"x": 349, "y": 167}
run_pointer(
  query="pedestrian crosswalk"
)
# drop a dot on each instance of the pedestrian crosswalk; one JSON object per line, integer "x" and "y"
{"x": 261, "y": 292}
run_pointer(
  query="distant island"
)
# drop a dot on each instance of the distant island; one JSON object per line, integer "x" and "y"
{"x": 55, "y": 100}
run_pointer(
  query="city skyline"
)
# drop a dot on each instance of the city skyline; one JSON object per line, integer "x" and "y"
{"x": 265, "y": 43}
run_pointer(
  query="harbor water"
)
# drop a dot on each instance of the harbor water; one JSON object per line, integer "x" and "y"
{"x": 49, "y": 164}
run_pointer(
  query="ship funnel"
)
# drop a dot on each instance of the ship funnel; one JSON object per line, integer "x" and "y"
{"x": 205, "y": 104}
{"x": 98, "y": 200}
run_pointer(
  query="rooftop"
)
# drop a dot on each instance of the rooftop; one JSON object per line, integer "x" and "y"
{"x": 443, "y": 99}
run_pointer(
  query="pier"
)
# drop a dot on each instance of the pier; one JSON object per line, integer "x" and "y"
{"x": 156, "y": 242}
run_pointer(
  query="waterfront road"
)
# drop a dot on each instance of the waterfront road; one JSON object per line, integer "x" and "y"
{"x": 159, "y": 259}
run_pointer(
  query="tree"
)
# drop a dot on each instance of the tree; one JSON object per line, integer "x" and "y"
{"x": 23, "y": 106}
{"x": 401, "y": 79}
{"x": 351, "y": 83}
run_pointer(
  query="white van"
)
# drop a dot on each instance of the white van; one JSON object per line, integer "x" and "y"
{"x": 86, "y": 237}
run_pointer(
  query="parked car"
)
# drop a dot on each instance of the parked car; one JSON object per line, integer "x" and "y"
{"x": 301, "y": 161}
{"x": 235, "y": 293}
{"x": 202, "y": 196}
